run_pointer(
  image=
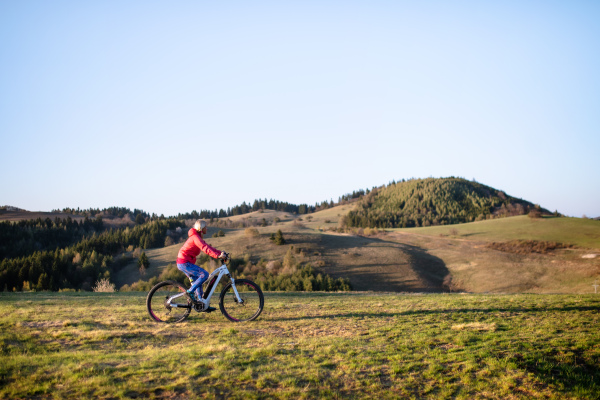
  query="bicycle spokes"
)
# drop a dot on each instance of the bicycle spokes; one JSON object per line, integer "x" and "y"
{"x": 247, "y": 307}
{"x": 168, "y": 302}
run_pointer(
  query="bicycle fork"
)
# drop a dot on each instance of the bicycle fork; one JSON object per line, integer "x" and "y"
{"x": 237, "y": 295}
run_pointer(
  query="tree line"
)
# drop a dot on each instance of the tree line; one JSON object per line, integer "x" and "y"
{"x": 246, "y": 208}
{"x": 115, "y": 212}
{"x": 275, "y": 205}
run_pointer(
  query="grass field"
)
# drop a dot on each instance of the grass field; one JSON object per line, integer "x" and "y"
{"x": 319, "y": 345}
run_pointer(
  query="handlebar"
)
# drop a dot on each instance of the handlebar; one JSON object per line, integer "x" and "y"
{"x": 225, "y": 258}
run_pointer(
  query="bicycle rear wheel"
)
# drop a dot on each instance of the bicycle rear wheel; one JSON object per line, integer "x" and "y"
{"x": 251, "y": 305}
{"x": 161, "y": 310}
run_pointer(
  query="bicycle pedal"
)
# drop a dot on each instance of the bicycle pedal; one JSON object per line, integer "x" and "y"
{"x": 199, "y": 307}
{"x": 209, "y": 310}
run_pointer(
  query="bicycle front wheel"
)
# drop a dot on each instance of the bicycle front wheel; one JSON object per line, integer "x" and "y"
{"x": 249, "y": 308}
{"x": 161, "y": 306}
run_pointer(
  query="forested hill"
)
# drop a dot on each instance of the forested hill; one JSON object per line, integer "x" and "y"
{"x": 434, "y": 201}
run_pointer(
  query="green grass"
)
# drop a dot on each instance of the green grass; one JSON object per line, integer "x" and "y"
{"x": 575, "y": 231}
{"x": 351, "y": 345}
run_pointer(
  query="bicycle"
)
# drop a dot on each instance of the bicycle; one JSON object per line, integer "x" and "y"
{"x": 241, "y": 300}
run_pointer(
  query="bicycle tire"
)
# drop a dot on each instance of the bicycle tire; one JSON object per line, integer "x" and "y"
{"x": 157, "y": 307}
{"x": 252, "y": 298}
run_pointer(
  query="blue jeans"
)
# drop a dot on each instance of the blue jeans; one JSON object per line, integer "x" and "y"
{"x": 197, "y": 276}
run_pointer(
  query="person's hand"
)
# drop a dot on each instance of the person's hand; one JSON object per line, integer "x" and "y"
{"x": 224, "y": 256}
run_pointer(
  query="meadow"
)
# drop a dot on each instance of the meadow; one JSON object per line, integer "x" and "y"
{"x": 304, "y": 345}
{"x": 584, "y": 233}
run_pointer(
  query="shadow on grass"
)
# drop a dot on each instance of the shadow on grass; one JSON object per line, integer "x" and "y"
{"x": 468, "y": 234}
{"x": 364, "y": 314}
{"x": 411, "y": 269}
{"x": 579, "y": 375}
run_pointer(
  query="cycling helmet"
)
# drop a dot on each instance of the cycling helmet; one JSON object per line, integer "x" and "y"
{"x": 200, "y": 224}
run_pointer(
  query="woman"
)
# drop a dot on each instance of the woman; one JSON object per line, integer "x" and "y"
{"x": 186, "y": 259}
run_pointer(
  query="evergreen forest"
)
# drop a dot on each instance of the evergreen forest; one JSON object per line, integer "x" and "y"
{"x": 427, "y": 202}
{"x": 79, "y": 255}
{"x": 76, "y": 253}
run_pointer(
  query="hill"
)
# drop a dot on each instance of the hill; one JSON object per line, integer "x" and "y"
{"x": 516, "y": 254}
{"x": 434, "y": 259}
{"x": 113, "y": 217}
{"x": 434, "y": 201}
{"x": 14, "y": 214}
{"x": 500, "y": 255}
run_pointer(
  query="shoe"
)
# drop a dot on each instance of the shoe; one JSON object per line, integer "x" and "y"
{"x": 193, "y": 296}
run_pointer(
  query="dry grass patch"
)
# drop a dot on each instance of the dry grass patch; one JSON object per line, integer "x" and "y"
{"x": 476, "y": 326}
{"x": 528, "y": 246}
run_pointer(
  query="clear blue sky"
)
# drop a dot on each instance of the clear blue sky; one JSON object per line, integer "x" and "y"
{"x": 176, "y": 106}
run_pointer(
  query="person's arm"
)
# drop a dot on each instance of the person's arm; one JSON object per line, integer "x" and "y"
{"x": 206, "y": 248}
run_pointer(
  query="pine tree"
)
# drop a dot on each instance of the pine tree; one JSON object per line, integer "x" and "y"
{"x": 143, "y": 263}
{"x": 278, "y": 238}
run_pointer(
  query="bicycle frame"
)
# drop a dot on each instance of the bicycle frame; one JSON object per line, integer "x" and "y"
{"x": 213, "y": 281}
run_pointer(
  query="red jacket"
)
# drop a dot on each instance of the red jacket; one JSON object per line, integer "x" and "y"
{"x": 192, "y": 247}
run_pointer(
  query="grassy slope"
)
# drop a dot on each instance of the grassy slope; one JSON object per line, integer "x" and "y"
{"x": 420, "y": 259}
{"x": 476, "y": 268}
{"x": 575, "y": 231}
{"x": 370, "y": 263}
{"x": 351, "y": 346}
